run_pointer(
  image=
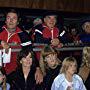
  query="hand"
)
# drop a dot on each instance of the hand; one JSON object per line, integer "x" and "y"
{"x": 55, "y": 42}
{"x": 68, "y": 88}
{"x": 38, "y": 76}
{"x": 5, "y": 46}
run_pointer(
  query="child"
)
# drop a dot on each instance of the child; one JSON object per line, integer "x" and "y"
{"x": 67, "y": 79}
{"x": 3, "y": 84}
{"x": 50, "y": 66}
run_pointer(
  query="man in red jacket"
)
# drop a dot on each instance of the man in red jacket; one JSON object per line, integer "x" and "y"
{"x": 10, "y": 34}
{"x": 48, "y": 33}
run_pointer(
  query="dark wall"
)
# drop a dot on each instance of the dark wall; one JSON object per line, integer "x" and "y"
{"x": 62, "y": 5}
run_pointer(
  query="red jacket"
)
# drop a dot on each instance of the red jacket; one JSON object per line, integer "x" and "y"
{"x": 47, "y": 33}
{"x": 14, "y": 38}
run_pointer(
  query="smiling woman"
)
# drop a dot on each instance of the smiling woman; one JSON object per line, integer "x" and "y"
{"x": 24, "y": 76}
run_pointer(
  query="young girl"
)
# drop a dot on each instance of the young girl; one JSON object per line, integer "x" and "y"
{"x": 3, "y": 84}
{"x": 67, "y": 79}
{"x": 50, "y": 66}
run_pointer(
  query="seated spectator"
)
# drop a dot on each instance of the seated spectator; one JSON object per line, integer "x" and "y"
{"x": 48, "y": 32}
{"x": 50, "y": 66}
{"x": 74, "y": 36}
{"x": 37, "y": 21}
{"x": 8, "y": 35}
{"x": 26, "y": 34}
{"x": 84, "y": 70}
{"x": 85, "y": 36}
{"x": 24, "y": 76}
{"x": 3, "y": 84}
{"x": 67, "y": 79}
{"x": 69, "y": 35}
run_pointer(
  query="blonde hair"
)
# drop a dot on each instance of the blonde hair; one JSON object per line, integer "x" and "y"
{"x": 47, "y": 50}
{"x": 86, "y": 57}
{"x": 66, "y": 63}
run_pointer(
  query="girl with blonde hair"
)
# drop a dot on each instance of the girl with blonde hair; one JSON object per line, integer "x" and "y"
{"x": 3, "y": 84}
{"x": 67, "y": 79}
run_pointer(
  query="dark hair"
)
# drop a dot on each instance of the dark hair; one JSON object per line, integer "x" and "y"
{"x": 24, "y": 53}
{"x": 13, "y": 11}
{"x": 50, "y": 13}
{"x": 2, "y": 70}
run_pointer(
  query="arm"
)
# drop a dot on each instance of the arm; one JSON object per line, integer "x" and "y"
{"x": 38, "y": 75}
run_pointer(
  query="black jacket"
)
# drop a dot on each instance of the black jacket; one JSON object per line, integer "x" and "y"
{"x": 17, "y": 81}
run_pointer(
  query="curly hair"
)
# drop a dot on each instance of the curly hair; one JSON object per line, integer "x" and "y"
{"x": 86, "y": 57}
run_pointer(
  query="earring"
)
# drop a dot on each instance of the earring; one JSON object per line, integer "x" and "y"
{"x": 21, "y": 62}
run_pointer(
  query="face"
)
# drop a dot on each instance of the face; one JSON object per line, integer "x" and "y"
{"x": 87, "y": 27}
{"x": 1, "y": 77}
{"x": 27, "y": 61}
{"x": 11, "y": 20}
{"x": 50, "y": 21}
{"x": 72, "y": 68}
{"x": 51, "y": 60}
{"x": 73, "y": 31}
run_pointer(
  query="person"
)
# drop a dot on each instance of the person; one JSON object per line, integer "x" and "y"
{"x": 74, "y": 34}
{"x": 26, "y": 36}
{"x": 85, "y": 36}
{"x": 84, "y": 70}
{"x": 67, "y": 79}
{"x": 3, "y": 84}
{"x": 10, "y": 34}
{"x": 37, "y": 21}
{"x": 50, "y": 65}
{"x": 23, "y": 78}
{"x": 48, "y": 33}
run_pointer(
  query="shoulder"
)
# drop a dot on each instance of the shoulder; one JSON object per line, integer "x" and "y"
{"x": 59, "y": 79}
{"x": 77, "y": 77}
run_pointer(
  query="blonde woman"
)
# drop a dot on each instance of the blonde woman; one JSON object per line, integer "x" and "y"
{"x": 67, "y": 79}
{"x": 50, "y": 65}
{"x": 84, "y": 70}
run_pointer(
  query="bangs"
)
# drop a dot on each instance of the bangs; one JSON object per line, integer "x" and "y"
{"x": 48, "y": 53}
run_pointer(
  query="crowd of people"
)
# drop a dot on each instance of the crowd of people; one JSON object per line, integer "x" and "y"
{"x": 43, "y": 70}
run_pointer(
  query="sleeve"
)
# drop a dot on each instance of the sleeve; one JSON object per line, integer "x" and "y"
{"x": 80, "y": 83}
{"x": 82, "y": 86}
{"x": 38, "y": 33}
{"x": 53, "y": 86}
